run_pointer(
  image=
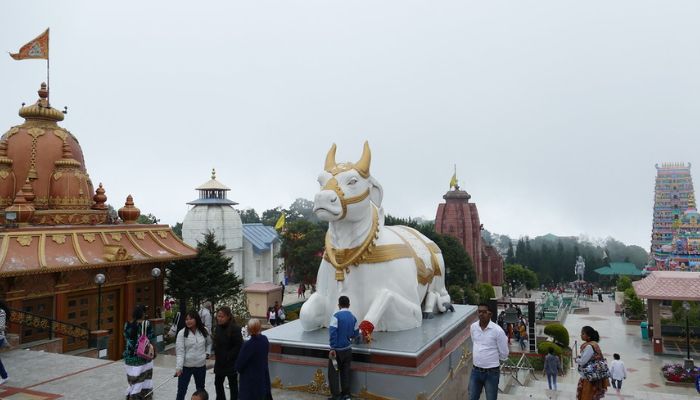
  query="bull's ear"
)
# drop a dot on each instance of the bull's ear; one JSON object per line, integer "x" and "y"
{"x": 362, "y": 166}
{"x": 376, "y": 193}
{"x": 330, "y": 159}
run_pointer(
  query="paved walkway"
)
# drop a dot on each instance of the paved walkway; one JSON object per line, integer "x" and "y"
{"x": 644, "y": 380}
{"x": 47, "y": 376}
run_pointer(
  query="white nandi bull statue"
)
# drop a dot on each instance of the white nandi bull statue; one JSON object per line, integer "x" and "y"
{"x": 393, "y": 275}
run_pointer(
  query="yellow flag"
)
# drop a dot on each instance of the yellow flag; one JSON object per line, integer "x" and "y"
{"x": 453, "y": 181}
{"x": 280, "y": 222}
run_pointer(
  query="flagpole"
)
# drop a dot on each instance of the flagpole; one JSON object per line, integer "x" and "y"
{"x": 48, "y": 76}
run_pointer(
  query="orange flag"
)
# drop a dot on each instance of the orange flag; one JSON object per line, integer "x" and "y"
{"x": 37, "y": 48}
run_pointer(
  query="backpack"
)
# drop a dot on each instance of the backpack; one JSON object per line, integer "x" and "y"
{"x": 144, "y": 348}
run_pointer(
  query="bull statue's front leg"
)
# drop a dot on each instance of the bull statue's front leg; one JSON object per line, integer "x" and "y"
{"x": 313, "y": 312}
{"x": 395, "y": 312}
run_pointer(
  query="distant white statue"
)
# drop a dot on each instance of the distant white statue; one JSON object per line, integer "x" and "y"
{"x": 393, "y": 275}
{"x": 580, "y": 268}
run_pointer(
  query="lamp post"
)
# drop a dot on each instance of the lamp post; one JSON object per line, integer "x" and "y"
{"x": 99, "y": 280}
{"x": 155, "y": 273}
{"x": 688, "y": 361}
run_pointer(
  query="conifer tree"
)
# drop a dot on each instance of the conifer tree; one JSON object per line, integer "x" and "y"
{"x": 206, "y": 277}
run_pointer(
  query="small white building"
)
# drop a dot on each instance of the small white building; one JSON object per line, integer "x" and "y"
{"x": 251, "y": 247}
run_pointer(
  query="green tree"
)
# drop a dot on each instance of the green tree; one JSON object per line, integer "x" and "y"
{"x": 147, "y": 219}
{"x": 624, "y": 283}
{"x": 177, "y": 229}
{"x": 520, "y": 275}
{"x": 206, "y": 277}
{"x": 302, "y": 209}
{"x": 302, "y": 248}
{"x": 510, "y": 255}
{"x": 270, "y": 217}
{"x": 486, "y": 292}
{"x": 249, "y": 216}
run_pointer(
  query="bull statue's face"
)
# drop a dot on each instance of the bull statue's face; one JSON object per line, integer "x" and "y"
{"x": 346, "y": 189}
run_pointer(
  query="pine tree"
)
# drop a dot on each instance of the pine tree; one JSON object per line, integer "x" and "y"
{"x": 206, "y": 277}
{"x": 510, "y": 255}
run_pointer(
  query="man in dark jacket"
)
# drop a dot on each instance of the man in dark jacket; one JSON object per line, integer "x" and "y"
{"x": 342, "y": 329}
{"x": 227, "y": 344}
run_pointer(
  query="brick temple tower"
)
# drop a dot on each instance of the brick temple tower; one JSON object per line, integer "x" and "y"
{"x": 459, "y": 218}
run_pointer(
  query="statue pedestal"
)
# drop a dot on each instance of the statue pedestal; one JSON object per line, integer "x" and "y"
{"x": 431, "y": 361}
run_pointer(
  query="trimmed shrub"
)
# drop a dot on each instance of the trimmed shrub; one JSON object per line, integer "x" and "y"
{"x": 486, "y": 292}
{"x": 559, "y": 333}
{"x": 471, "y": 296}
{"x": 543, "y": 348}
{"x": 456, "y": 294}
{"x": 624, "y": 283}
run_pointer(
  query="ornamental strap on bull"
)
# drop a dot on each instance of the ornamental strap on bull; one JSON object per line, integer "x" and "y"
{"x": 369, "y": 253}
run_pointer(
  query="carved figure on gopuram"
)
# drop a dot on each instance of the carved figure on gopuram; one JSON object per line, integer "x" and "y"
{"x": 393, "y": 275}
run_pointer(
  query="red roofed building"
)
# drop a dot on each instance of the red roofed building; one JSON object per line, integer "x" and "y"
{"x": 665, "y": 285}
{"x": 460, "y": 219}
{"x": 56, "y": 237}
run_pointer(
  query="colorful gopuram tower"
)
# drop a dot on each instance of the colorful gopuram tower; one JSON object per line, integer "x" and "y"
{"x": 672, "y": 190}
{"x": 459, "y": 218}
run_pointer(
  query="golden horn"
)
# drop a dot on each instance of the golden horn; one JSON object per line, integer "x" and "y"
{"x": 330, "y": 159}
{"x": 362, "y": 166}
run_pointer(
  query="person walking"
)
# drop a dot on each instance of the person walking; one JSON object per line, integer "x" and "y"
{"x": 271, "y": 316}
{"x": 205, "y": 315}
{"x": 618, "y": 373}
{"x": 4, "y": 314}
{"x": 342, "y": 329}
{"x": 252, "y": 365}
{"x": 227, "y": 345}
{"x": 192, "y": 350}
{"x": 590, "y": 350}
{"x": 139, "y": 371}
{"x": 552, "y": 366}
{"x": 523, "y": 335}
{"x": 490, "y": 346}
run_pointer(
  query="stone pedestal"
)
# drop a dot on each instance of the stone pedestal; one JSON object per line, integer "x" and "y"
{"x": 429, "y": 362}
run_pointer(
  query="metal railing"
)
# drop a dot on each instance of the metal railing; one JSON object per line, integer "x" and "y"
{"x": 53, "y": 326}
{"x": 509, "y": 368}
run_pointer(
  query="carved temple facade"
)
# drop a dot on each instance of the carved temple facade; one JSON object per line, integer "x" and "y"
{"x": 459, "y": 218}
{"x": 56, "y": 235}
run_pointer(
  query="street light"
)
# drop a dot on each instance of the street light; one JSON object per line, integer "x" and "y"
{"x": 99, "y": 280}
{"x": 155, "y": 273}
{"x": 688, "y": 360}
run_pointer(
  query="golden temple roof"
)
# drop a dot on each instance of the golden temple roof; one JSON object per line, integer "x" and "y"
{"x": 41, "y": 250}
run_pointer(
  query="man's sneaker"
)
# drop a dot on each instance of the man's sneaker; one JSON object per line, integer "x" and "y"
{"x": 3, "y": 380}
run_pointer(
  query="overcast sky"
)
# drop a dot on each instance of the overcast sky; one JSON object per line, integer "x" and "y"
{"x": 555, "y": 112}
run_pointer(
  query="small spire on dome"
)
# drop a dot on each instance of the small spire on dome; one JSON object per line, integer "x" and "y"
{"x": 129, "y": 213}
{"x": 43, "y": 91}
{"x": 213, "y": 173}
{"x": 28, "y": 191}
{"x": 99, "y": 198}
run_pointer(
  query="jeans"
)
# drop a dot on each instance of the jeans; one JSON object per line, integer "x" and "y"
{"x": 3, "y": 373}
{"x": 344, "y": 359}
{"x": 232, "y": 386}
{"x": 552, "y": 381}
{"x": 616, "y": 383}
{"x": 484, "y": 380}
{"x": 184, "y": 380}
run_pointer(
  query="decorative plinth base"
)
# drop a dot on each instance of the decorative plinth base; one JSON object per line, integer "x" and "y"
{"x": 429, "y": 362}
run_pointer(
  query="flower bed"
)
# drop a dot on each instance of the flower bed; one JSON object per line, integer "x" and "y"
{"x": 676, "y": 373}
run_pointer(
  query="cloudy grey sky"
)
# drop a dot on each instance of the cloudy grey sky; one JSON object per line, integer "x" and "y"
{"x": 555, "y": 112}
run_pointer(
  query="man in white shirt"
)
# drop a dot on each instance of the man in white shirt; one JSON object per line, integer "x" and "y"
{"x": 490, "y": 346}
